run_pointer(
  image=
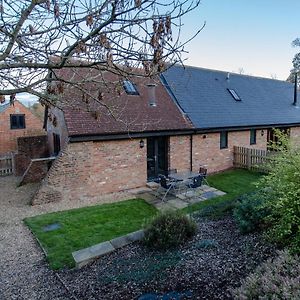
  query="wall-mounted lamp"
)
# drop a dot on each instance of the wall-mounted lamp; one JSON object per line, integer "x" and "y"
{"x": 142, "y": 143}
{"x": 204, "y": 136}
{"x": 262, "y": 132}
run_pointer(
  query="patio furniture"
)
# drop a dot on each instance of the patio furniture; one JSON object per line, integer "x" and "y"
{"x": 203, "y": 172}
{"x": 167, "y": 185}
{"x": 182, "y": 179}
{"x": 194, "y": 183}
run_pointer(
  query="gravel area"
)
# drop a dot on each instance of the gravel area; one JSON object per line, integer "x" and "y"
{"x": 205, "y": 268}
{"x": 24, "y": 273}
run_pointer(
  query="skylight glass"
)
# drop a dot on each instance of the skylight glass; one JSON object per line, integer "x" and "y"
{"x": 235, "y": 96}
{"x": 130, "y": 88}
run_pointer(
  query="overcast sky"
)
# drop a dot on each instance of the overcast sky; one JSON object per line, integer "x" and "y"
{"x": 255, "y": 35}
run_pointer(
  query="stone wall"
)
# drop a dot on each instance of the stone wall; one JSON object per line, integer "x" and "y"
{"x": 8, "y": 137}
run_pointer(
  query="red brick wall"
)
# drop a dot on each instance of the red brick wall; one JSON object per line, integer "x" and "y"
{"x": 179, "y": 157}
{"x": 8, "y": 137}
{"x": 28, "y": 148}
{"x": 207, "y": 152}
{"x": 93, "y": 169}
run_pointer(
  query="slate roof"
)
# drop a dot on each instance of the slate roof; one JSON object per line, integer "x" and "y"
{"x": 126, "y": 113}
{"x": 3, "y": 107}
{"x": 203, "y": 96}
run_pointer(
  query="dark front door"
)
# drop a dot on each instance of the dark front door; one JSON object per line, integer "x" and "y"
{"x": 157, "y": 156}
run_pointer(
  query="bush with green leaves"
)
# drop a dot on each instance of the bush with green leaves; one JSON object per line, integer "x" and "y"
{"x": 169, "y": 229}
{"x": 282, "y": 185}
{"x": 250, "y": 212}
{"x": 275, "y": 279}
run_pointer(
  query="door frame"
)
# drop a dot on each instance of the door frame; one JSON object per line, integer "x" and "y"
{"x": 164, "y": 156}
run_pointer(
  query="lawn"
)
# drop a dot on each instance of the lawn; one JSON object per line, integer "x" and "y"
{"x": 84, "y": 227}
{"x": 234, "y": 182}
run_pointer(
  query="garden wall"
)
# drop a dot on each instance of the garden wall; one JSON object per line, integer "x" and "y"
{"x": 93, "y": 169}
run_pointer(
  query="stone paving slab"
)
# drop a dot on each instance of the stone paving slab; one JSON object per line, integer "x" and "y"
{"x": 136, "y": 236}
{"x": 178, "y": 204}
{"x": 220, "y": 193}
{"x": 84, "y": 256}
{"x": 120, "y": 241}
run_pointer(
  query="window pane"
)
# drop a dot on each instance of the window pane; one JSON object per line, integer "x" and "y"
{"x": 252, "y": 137}
{"x": 223, "y": 139}
{"x": 13, "y": 122}
{"x": 21, "y": 122}
{"x": 17, "y": 121}
{"x": 130, "y": 88}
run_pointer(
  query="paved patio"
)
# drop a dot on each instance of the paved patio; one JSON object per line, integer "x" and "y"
{"x": 153, "y": 195}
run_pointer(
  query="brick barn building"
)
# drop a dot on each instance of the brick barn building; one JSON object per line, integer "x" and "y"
{"x": 192, "y": 117}
{"x": 17, "y": 121}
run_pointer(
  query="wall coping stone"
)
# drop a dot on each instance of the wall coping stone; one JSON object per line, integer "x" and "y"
{"x": 84, "y": 256}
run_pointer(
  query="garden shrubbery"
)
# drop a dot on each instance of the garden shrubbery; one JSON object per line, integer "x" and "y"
{"x": 169, "y": 229}
{"x": 275, "y": 279}
{"x": 250, "y": 212}
{"x": 277, "y": 202}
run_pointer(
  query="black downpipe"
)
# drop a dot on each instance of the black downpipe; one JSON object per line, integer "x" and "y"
{"x": 191, "y": 152}
{"x": 295, "y": 89}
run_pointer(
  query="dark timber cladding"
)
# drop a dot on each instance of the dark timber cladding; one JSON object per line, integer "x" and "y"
{"x": 212, "y": 100}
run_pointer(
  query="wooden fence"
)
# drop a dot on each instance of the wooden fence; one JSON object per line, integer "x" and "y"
{"x": 6, "y": 165}
{"x": 252, "y": 159}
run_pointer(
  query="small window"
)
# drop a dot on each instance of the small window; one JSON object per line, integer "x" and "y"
{"x": 56, "y": 143}
{"x": 223, "y": 139}
{"x": 234, "y": 94}
{"x": 252, "y": 137}
{"x": 17, "y": 121}
{"x": 130, "y": 88}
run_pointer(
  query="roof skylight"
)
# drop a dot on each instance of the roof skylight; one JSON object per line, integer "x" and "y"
{"x": 234, "y": 94}
{"x": 130, "y": 88}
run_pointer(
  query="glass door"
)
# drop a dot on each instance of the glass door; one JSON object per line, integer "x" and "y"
{"x": 157, "y": 157}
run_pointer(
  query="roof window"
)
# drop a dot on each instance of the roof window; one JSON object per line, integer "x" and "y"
{"x": 234, "y": 94}
{"x": 130, "y": 88}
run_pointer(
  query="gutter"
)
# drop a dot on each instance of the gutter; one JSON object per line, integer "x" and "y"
{"x": 122, "y": 136}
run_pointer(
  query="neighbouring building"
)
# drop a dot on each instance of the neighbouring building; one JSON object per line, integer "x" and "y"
{"x": 17, "y": 121}
{"x": 191, "y": 117}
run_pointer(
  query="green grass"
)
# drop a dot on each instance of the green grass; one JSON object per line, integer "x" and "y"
{"x": 235, "y": 183}
{"x": 84, "y": 227}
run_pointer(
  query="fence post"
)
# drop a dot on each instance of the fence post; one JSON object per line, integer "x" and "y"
{"x": 248, "y": 157}
{"x": 13, "y": 165}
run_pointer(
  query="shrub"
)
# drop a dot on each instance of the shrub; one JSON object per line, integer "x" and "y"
{"x": 283, "y": 184}
{"x": 275, "y": 279}
{"x": 250, "y": 212}
{"x": 169, "y": 229}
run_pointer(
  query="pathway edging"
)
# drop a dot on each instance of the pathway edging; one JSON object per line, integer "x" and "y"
{"x": 84, "y": 256}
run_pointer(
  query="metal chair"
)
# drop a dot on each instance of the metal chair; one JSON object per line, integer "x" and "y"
{"x": 166, "y": 185}
{"x": 203, "y": 172}
{"x": 194, "y": 183}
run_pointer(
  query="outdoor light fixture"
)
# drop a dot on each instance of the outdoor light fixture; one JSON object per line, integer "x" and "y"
{"x": 142, "y": 143}
{"x": 262, "y": 133}
{"x": 151, "y": 94}
{"x": 204, "y": 136}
